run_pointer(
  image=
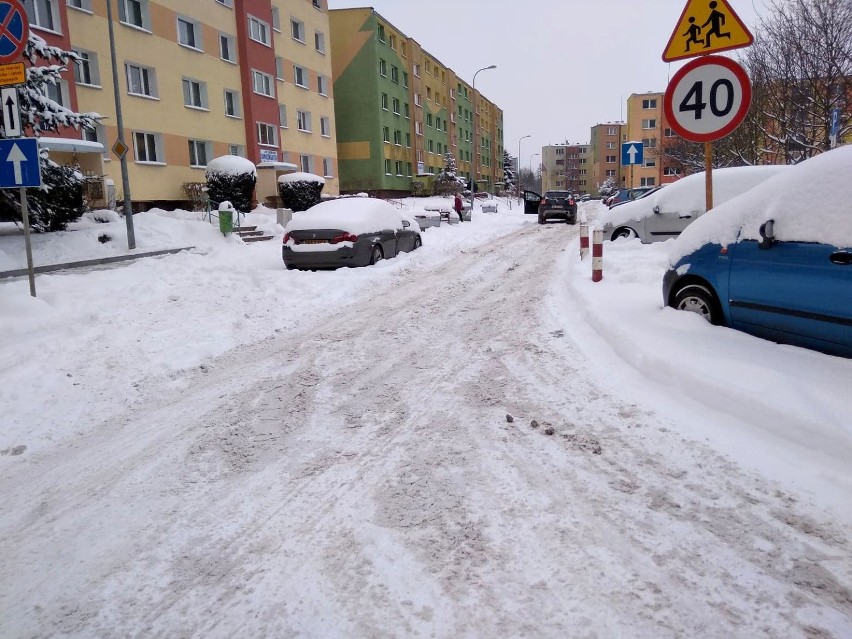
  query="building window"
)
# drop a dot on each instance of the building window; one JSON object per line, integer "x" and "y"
{"x": 300, "y": 76}
{"x": 417, "y": 101}
{"x": 385, "y": 101}
{"x": 303, "y": 121}
{"x": 317, "y": 4}
{"x": 387, "y": 166}
{"x": 398, "y": 166}
{"x": 383, "y": 68}
{"x": 650, "y": 162}
{"x": 227, "y": 48}
{"x": 282, "y": 116}
{"x": 669, "y": 133}
{"x": 43, "y": 14}
{"x": 279, "y": 68}
{"x": 386, "y": 134}
{"x": 261, "y": 83}
{"x": 56, "y": 92}
{"x": 83, "y": 5}
{"x": 429, "y": 119}
{"x": 671, "y": 171}
{"x": 258, "y": 30}
{"x": 146, "y": 147}
{"x": 408, "y": 140}
{"x": 141, "y": 80}
{"x": 307, "y": 163}
{"x": 276, "y": 19}
{"x": 405, "y": 79}
{"x": 647, "y": 181}
{"x": 325, "y": 126}
{"x": 297, "y": 29}
{"x": 266, "y": 135}
{"x": 381, "y": 33}
{"x": 322, "y": 85}
{"x": 610, "y": 145}
{"x": 236, "y": 149}
{"x": 610, "y": 159}
{"x": 395, "y": 104}
{"x": 86, "y": 70}
{"x": 194, "y": 94}
{"x": 319, "y": 42}
{"x": 649, "y": 104}
{"x": 135, "y": 13}
{"x": 610, "y": 172}
{"x": 198, "y": 153}
{"x": 189, "y": 33}
{"x": 418, "y": 128}
{"x": 611, "y": 131}
{"x": 394, "y": 74}
{"x": 397, "y": 137}
{"x": 649, "y": 124}
{"x": 416, "y": 69}
{"x": 649, "y": 143}
{"x": 232, "y": 103}
{"x": 407, "y": 110}
{"x": 327, "y": 166}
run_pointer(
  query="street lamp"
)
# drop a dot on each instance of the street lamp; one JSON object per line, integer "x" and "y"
{"x": 531, "y": 157}
{"x": 518, "y": 177}
{"x": 473, "y": 160}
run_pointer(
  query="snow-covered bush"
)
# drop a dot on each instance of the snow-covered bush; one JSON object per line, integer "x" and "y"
{"x": 231, "y": 178}
{"x": 300, "y": 191}
{"x": 447, "y": 182}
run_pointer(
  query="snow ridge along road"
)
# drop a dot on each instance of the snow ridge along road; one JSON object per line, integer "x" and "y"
{"x": 359, "y": 478}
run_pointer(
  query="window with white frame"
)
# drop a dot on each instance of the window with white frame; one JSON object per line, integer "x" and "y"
{"x": 317, "y": 4}
{"x": 297, "y": 30}
{"x": 226, "y": 3}
{"x": 303, "y": 121}
{"x": 146, "y": 147}
{"x": 258, "y": 30}
{"x": 236, "y": 149}
{"x": 189, "y": 33}
{"x": 416, "y": 69}
{"x": 262, "y": 83}
{"x": 386, "y": 134}
{"x": 57, "y": 92}
{"x": 405, "y": 79}
{"x": 669, "y": 133}
{"x": 398, "y": 168}
{"x": 141, "y": 80}
{"x": 282, "y": 116}
{"x": 43, "y": 14}
{"x": 232, "y": 103}
{"x": 649, "y": 143}
{"x": 228, "y": 48}
{"x": 611, "y": 131}
{"x": 383, "y": 68}
{"x": 649, "y": 124}
{"x": 610, "y": 145}
{"x": 647, "y": 181}
{"x": 385, "y": 101}
{"x": 319, "y": 41}
{"x": 610, "y": 173}
{"x": 417, "y": 100}
{"x": 395, "y": 103}
{"x": 392, "y": 42}
{"x": 307, "y": 163}
{"x": 387, "y": 166}
{"x": 394, "y": 74}
{"x": 610, "y": 159}
{"x": 397, "y": 137}
{"x": 649, "y": 162}
{"x": 327, "y": 167}
{"x": 199, "y": 153}
{"x": 418, "y": 128}
{"x": 194, "y": 93}
{"x": 266, "y": 134}
{"x": 300, "y": 76}
{"x": 322, "y": 85}
{"x": 86, "y": 71}
{"x": 83, "y": 5}
{"x": 381, "y": 33}
{"x": 406, "y": 110}
{"x": 135, "y": 13}
{"x": 671, "y": 171}
{"x": 408, "y": 140}
{"x": 276, "y": 19}
{"x": 279, "y": 67}
{"x": 649, "y": 103}
{"x": 325, "y": 126}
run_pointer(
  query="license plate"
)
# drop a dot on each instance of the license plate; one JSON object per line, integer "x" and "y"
{"x": 312, "y": 242}
{"x": 557, "y": 208}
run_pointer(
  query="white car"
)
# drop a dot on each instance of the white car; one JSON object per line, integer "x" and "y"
{"x": 665, "y": 213}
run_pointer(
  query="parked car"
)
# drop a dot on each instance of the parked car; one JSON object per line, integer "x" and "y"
{"x": 348, "y": 232}
{"x": 645, "y": 193}
{"x": 775, "y": 262}
{"x": 664, "y": 214}
{"x": 621, "y": 196}
{"x": 557, "y": 205}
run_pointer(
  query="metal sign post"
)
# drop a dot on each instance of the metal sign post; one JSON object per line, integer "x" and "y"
{"x": 29, "y": 247}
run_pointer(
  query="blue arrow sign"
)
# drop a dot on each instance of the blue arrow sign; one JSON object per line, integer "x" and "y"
{"x": 632, "y": 153}
{"x": 19, "y": 163}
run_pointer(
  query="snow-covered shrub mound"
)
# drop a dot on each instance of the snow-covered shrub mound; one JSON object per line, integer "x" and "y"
{"x": 300, "y": 191}
{"x": 231, "y": 178}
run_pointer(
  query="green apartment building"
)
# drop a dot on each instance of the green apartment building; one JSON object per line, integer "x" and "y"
{"x": 398, "y": 111}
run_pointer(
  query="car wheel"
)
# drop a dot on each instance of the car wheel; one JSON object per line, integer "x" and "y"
{"x": 417, "y": 243}
{"x": 699, "y": 299}
{"x": 376, "y": 255}
{"x": 540, "y": 220}
{"x": 625, "y": 232}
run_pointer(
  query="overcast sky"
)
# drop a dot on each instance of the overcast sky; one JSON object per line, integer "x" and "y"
{"x": 562, "y": 65}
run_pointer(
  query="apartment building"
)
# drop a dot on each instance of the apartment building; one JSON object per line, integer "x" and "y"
{"x": 399, "y": 110}
{"x": 197, "y": 79}
{"x": 566, "y": 167}
{"x": 645, "y": 124}
{"x": 605, "y": 154}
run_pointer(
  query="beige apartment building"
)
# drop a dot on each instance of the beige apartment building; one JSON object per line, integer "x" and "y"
{"x": 605, "y": 155}
{"x": 566, "y": 167}
{"x": 645, "y": 124}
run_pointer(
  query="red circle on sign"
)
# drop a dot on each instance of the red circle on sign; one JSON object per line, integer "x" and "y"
{"x": 710, "y": 60}
{"x": 16, "y": 32}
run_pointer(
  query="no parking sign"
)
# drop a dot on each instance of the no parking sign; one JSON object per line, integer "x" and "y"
{"x": 14, "y": 30}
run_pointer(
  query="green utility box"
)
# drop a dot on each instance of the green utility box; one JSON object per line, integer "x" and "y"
{"x": 226, "y": 221}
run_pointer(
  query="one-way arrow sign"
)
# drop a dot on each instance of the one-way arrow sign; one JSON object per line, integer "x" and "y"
{"x": 19, "y": 163}
{"x": 632, "y": 153}
{"x": 11, "y": 117}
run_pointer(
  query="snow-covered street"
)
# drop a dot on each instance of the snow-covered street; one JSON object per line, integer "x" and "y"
{"x": 470, "y": 440}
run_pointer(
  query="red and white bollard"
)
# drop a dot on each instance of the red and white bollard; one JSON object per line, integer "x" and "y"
{"x": 584, "y": 240}
{"x": 597, "y": 255}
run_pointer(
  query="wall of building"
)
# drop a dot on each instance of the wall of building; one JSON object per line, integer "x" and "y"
{"x": 645, "y": 124}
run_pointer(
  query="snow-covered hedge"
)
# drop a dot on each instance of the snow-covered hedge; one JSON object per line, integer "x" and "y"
{"x": 231, "y": 178}
{"x": 300, "y": 191}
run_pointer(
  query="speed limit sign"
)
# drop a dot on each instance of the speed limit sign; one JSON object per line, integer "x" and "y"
{"x": 707, "y": 99}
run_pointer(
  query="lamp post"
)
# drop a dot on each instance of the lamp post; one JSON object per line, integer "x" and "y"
{"x": 519, "y": 167}
{"x": 473, "y": 159}
{"x": 531, "y": 157}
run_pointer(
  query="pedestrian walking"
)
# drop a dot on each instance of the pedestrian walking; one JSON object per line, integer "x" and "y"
{"x": 457, "y": 205}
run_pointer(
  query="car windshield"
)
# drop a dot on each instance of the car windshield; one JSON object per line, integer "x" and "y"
{"x": 557, "y": 194}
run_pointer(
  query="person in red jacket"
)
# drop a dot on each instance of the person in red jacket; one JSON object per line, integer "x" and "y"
{"x": 457, "y": 205}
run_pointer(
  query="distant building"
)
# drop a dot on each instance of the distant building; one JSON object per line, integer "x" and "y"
{"x": 646, "y": 123}
{"x": 565, "y": 167}
{"x": 399, "y": 110}
{"x": 604, "y": 155}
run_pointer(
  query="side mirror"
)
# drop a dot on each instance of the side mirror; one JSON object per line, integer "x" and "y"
{"x": 767, "y": 234}
{"x": 657, "y": 209}
{"x": 405, "y": 224}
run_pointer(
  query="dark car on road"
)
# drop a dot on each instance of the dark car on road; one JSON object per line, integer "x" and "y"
{"x": 553, "y": 205}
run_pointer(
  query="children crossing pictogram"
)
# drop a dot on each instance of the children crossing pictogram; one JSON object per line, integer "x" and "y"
{"x": 706, "y": 26}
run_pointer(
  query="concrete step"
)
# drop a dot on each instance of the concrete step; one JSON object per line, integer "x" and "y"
{"x": 244, "y": 233}
{"x": 256, "y": 238}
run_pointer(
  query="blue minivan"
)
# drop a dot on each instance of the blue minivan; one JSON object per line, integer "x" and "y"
{"x": 776, "y": 261}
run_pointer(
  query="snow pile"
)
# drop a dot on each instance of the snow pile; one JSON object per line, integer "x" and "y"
{"x": 300, "y": 176}
{"x": 231, "y": 165}
{"x": 354, "y": 215}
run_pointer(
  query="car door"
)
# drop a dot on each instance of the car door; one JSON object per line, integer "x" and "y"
{"x": 531, "y": 201}
{"x": 796, "y": 292}
{"x": 405, "y": 237}
{"x": 669, "y": 220}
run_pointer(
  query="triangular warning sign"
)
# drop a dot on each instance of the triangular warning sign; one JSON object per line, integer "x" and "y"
{"x": 706, "y": 26}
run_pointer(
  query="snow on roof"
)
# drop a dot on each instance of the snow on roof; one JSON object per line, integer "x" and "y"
{"x": 806, "y": 201}
{"x": 688, "y": 194}
{"x": 354, "y": 215}
{"x": 300, "y": 176}
{"x": 231, "y": 164}
{"x": 281, "y": 166}
{"x": 65, "y": 144}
